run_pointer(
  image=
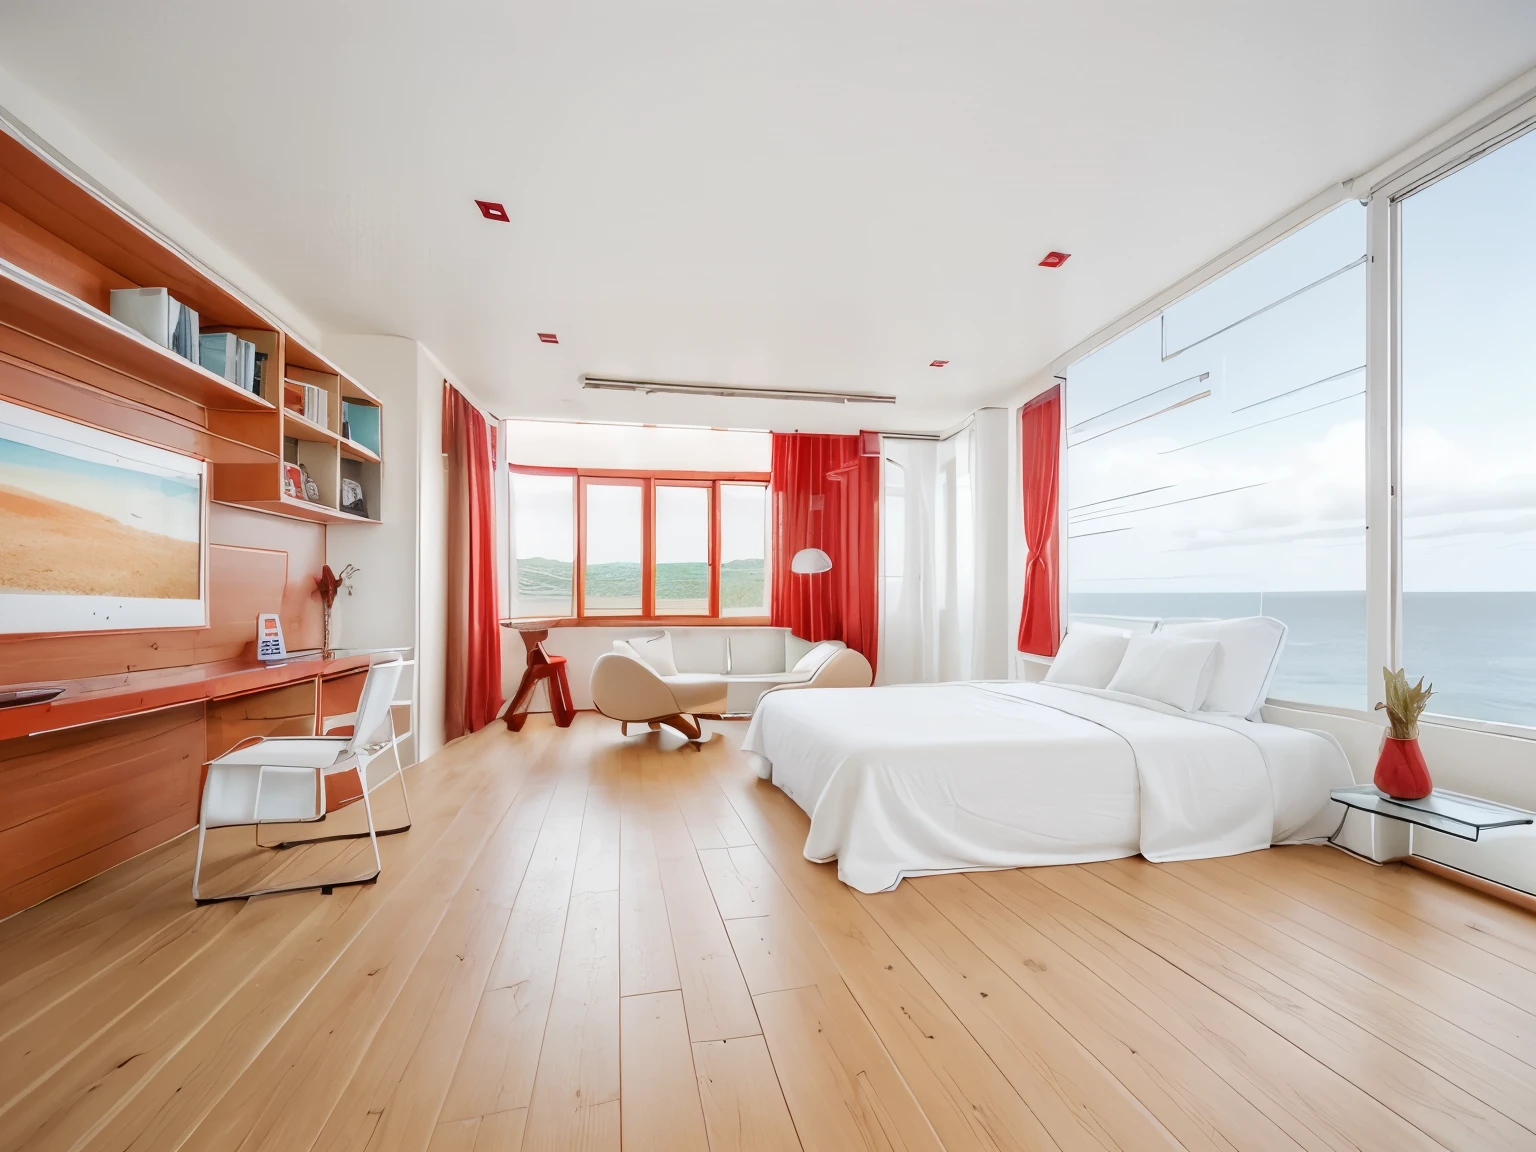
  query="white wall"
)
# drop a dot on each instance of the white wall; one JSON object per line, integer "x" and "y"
{"x": 432, "y": 554}
{"x": 382, "y": 611}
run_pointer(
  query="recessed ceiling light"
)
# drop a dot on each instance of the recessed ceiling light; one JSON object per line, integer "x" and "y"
{"x": 548, "y": 338}
{"x": 493, "y": 211}
{"x": 1055, "y": 259}
{"x": 937, "y": 363}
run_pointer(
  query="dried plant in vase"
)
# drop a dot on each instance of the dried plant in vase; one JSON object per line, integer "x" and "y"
{"x": 1401, "y": 771}
{"x": 328, "y": 584}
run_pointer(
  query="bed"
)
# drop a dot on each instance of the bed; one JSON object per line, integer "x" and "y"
{"x": 914, "y": 780}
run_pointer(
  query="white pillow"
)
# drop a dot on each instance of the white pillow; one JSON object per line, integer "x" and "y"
{"x": 1088, "y": 656}
{"x": 657, "y": 652}
{"x": 1247, "y": 654}
{"x": 1174, "y": 670}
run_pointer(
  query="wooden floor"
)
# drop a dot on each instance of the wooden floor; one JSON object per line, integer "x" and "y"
{"x": 593, "y": 943}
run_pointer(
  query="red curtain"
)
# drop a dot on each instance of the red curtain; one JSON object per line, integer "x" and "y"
{"x": 474, "y": 633}
{"x": 1040, "y": 448}
{"x": 826, "y": 495}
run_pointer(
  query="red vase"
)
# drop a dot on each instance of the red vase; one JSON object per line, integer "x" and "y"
{"x": 1400, "y": 770}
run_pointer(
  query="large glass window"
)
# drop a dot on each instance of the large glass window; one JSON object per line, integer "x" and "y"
{"x": 543, "y": 544}
{"x": 1216, "y": 459}
{"x": 684, "y": 574}
{"x": 743, "y": 549}
{"x": 680, "y": 545}
{"x": 613, "y": 548}
{"x": 1468, "y": 298}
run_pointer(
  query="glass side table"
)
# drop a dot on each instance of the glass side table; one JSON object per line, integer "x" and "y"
{"x": 1465, "y": 817}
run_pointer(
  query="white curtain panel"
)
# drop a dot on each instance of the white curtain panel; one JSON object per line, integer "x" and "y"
{"x": 991, "y": 613}
{"x": 944, "y": 544}
{"x": 908, "y": 624}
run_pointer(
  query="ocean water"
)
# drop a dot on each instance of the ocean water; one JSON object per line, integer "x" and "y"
{"x": 1478, "y": 649}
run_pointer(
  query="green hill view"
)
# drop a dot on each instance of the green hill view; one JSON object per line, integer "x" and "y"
{"x": 741, "y": 581}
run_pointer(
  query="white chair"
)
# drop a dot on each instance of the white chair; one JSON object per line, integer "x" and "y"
{"x": 281, "y": 780}
{"x": 626, "y": 689}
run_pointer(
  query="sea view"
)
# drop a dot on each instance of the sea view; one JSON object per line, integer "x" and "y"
{"x": 1477, "y": 648}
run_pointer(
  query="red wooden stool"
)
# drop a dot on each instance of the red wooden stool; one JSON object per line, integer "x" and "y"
{"x": 541, "y": 666}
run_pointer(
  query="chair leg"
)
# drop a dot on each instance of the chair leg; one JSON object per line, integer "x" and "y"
{"x": 560, "y": 697}
{"x": 325, "y": 886}
{"x": 687, "y": 725}
{"x": 405, "y": 796}
{"x": 197, "y": 865}
{"x": 523, "y": 696}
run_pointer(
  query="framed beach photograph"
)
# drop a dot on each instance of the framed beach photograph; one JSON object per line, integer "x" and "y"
{"x": 97, "y": 532}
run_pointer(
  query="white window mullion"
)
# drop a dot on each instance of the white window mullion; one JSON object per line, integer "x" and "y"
{"x": 1383, "y": 568}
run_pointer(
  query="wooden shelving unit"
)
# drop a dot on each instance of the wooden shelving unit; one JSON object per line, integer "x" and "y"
{"x": 63, "y": 249}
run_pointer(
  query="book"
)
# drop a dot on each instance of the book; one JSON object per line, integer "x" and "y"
{"x": 258, "y": 371}
{"x": 293, "y": 482}
{"x": 219, "y": 352}
{"x": 225, "y": 354}
{"x": 316, "y": 402}
{"x": 308, "y": 400}
{"x": 156, "y": 314}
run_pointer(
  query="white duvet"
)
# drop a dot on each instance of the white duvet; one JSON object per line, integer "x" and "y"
{"x": 912, "y": 780}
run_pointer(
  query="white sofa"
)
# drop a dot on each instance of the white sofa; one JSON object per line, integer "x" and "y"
{"x": 715, "y": 672}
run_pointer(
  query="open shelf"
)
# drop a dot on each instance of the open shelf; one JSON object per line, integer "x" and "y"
{"x": 284, "y": 505}
{"x": 299, "y": 428}
{"x": 355, "y": 451}
{"x": 31, "y": 305}
{"x": 65, "y": 246}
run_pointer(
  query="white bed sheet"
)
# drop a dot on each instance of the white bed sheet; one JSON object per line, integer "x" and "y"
{"x": 912, "y": 780}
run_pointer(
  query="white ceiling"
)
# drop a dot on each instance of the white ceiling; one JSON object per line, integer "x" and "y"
{"x": 822, "y": 194}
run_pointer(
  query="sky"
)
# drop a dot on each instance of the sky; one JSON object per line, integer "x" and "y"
{"x": 1256, "y": 482}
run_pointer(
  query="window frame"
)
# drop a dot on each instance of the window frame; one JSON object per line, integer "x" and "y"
{"x": 1384, "y": 397}
{"x": 1382, "y": 190}
{"x": 712, "y": 547}
{"x": 648, "y": 482}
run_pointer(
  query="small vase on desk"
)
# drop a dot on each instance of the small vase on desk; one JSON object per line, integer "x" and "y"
{"x": 1401, "y": 772}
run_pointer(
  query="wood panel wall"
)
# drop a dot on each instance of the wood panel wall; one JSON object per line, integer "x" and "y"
{"x": 81, "y": 800}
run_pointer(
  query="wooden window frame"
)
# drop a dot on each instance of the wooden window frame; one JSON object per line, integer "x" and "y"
{"x": 647, "y": 482}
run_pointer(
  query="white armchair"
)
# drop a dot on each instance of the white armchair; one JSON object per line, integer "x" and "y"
{"x": 626, "y": 688}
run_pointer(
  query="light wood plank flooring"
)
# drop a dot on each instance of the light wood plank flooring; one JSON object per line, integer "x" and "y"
{"x": 588, "y": 942}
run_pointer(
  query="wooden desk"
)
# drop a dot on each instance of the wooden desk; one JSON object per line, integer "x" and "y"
{"x": 114, "y": 766}
{"x": 103, "y": 698}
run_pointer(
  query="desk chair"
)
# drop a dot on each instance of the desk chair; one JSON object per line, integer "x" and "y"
{"x": 281, "y": 780}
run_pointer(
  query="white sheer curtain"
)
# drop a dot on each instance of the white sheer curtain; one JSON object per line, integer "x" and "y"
{"x": 944, "y": 541}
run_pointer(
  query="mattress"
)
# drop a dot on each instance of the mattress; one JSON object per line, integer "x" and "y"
{"x": 912, "y": 780}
